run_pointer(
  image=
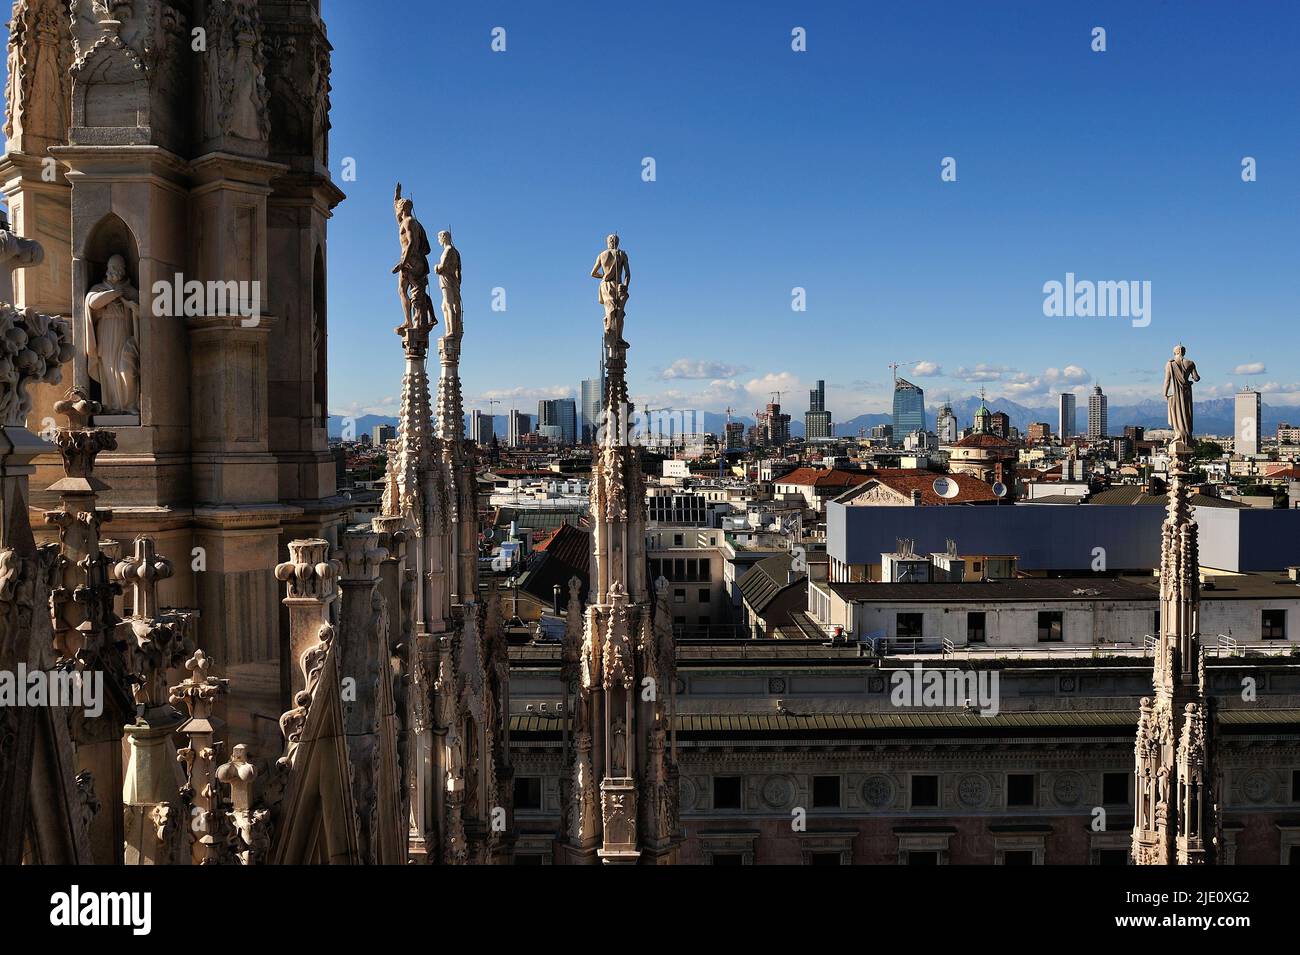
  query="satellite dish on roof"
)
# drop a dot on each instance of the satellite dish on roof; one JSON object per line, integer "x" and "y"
{"x": 945, "y": 487}
{"x": 999, "y": 489}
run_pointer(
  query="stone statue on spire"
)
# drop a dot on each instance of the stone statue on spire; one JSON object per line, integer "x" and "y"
{"x": 615, "y": 276}
{"x": 448, "y": 269}
{"x": 412, "y": 269}
{"x": 1180, "y": 373}
{"x": 1176, "y": 821}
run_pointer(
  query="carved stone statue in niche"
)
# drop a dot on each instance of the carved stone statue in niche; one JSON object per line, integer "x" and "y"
{"x": 619, "y": 733}
{"x": 113, "y": 339}
{"x": 246, "y": 105}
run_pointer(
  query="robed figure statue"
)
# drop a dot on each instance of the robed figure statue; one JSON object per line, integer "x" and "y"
{"x": 1180, "y": 373}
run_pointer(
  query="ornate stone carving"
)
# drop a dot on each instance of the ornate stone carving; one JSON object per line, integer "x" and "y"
{"x": 32, "y": 349}
{"x": 198, "y": 693}
{"x": 778, "y": 791}
{"x": 38, "y": 87}
{"x": 973, "y": 791}
{"x": 311, "y": 663}
{"x": 250, "y": 828}
{"x": 235, "y": 94}
{"x": 878, "y": 792}
{"x": 15, "y": 253}
{"x": 309, "y": 572}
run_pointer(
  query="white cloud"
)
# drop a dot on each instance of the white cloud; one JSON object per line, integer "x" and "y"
{"x": 519, "y": 398}
{"x": 760, "y": 389}
{"x": 1252, "y": 368}
{"x": 982, "y": 372}
{"x": 700, "y": 369}
{"x": 927, "y": 369}
{"x": 1069, "y": 375}
{"x": 721, "y": 393}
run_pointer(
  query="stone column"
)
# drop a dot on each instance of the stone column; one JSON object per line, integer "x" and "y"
{"x": 311, "y": 577}
{"x": 361, "y": 668}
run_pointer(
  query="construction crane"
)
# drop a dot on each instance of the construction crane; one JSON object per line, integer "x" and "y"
{"x": 895, "y": 365}
{"x": 722, "y": 451}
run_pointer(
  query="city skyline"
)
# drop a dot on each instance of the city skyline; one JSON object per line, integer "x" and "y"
{"x": 893, "y": 261}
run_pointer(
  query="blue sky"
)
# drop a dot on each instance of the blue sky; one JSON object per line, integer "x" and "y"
{"x": 821, "y": 169}
{"x": 778, "y": 169}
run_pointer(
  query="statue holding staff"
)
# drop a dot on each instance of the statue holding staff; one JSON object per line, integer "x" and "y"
{"x": 412, "y": 269}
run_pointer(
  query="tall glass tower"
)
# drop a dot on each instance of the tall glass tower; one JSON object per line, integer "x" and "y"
{"x": 592, "y": 403}
{"x": 909, "y": 408}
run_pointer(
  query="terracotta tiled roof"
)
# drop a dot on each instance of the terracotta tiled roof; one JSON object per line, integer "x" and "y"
{"x": 906, "y": 480}
{"x": 983, "y": 439}
{"x": 824, "y": 477}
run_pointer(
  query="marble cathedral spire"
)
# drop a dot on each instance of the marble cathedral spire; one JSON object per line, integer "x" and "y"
{"x": 1177, "y": 816}
{"x": 458, "y": 767}
{"x": 622, "y": 785}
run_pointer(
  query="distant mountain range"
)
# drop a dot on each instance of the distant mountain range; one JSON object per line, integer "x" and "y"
{"x": 1214, "y": 416}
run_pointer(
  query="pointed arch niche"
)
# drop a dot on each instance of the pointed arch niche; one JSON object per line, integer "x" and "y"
{"x": 110, "y": 236}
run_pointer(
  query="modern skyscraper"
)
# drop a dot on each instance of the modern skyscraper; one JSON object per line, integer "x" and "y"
{"x": 817, "y": 422}
{"x": 558, "y": 418}
{"x": 592, "y": 399}
{"x": 383, "y": 433}
{"x": 1097, "y": 423}
{"x": 517, "y": 425}
{"x": 481, "y": 427}
{"x": 909, "y": 407}
{"x": 945, "y": 426}
{"x": 1248, "y": 408}
{"x": 1066, "y": 424}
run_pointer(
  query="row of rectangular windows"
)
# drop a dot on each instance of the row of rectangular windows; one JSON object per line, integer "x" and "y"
{"x": 1051, "y": 626}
